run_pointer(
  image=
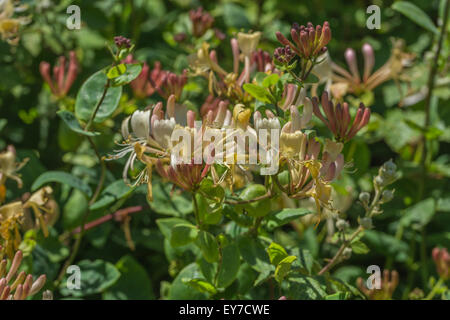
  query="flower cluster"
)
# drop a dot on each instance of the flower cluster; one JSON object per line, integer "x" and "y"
{"x": 63, "y": 76}
{"x": 16, "y": 215}
{"x": 298, "y": 163}
{"x": 149, "y": 81}
{"x": 16, "y": 285}
{"x": 337, "y": 118}
{"x": 201, "y": 21}
{"x": 308, "y": 42}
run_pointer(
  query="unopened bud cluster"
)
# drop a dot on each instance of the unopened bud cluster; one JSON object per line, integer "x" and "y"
{"x": 308, "y": 41}
{"x": 283, "y": 55}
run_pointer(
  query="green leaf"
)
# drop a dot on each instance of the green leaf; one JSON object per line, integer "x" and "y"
{"x": 166, "y": 225}
{"x": 284, "y": 216}
{"x": 270, "y": 80}
{"x": 276, "y": 253}
{"x": 307, "y": 288}
{"x": 96, "y": 277}
{"x": 257, "y": 92}
{"x": 131, "y": 73}
{"x": 200, "y": 285}
{"x": 116, "y": 71}
{"x": 61, "y": 177}
{"x": 415, "y": 14}
{"x": 283, "y": 267}
{"x": 133, "y": 284}
{"x": 183, "y": 234}
{"x": 208, "y": 245}
{"x": 90, "y": 94}
{"x": 254, "y": 254}
{"x": 72, "y": 122}
{"x": 164, "y": 202}
{"x": 230, "y": 265}
{"x": 359, "y": 247}
{"x": 112, "y": 193}
{"x": 419, "y": 215}
{"x": 182, "y": 291}
{"x": 305, "y": 260}
{"x": 257, "y": 208}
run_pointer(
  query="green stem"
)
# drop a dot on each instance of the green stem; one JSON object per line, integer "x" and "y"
{"x": 196, "y": 213}
{"x": 435, "y": 289}
{"x": 97, "y": 107}
{"x": 431, "y": 81}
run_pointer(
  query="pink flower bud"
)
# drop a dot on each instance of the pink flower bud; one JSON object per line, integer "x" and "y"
{"x": 369, "y": 60}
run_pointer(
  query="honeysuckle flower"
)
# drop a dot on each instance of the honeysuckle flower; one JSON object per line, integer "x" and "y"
{"x": 308, "y": 42}
{"x": 248, "y": 42}
{"x": 61, "y": 81}
{"x": 16, "y": 285}
{"x": 441, "y": 258}
{"x": 172, "y": 84}
{"x": 37, "y": 202}
{"x": 262, "y": 61}
{"x": 352, "y": 81}
{"x": 150, "y": 137}
{"x": 332, "y": 159}
{"x": 148, "y": 80}
{"x": 324, "y": 72}
{"x": 201, "y": 21}
{"x": 9, "y": 25}
{"x": 387, "y": 286}
{"x": 156, "y": 80}
{"x": 9, "y": 168}
{"x": 293, "y": 98}
{"x": 337, "y": 118}
{"x": 11, "y": 215}
{"x": 186, "y": 176}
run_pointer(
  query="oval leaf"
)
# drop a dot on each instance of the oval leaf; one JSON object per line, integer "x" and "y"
{"x": 72, "y": 122}
{"x": 90, "y": 94}
{"x": 415, "y": 14}
{"x": 61, "y": 177}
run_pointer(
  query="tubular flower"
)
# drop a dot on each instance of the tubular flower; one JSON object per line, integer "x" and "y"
{"x": 14, "y": 215}
{"x": 308, "y": 42}
{"x": 387, "y": 286}
{"x": 186, "y": 176}
{"x": 16, "y": 285}
{"x": 353, "y": 82}
{"x": 43, "y": 213}
{"x": 150, "y": 133}
{"x": 172, "y": 83}
{"x": 337, "y": 118}
{"x": 228, "y": 85}
{"x": 9, "y": 26}
{"x": 262, "y": 61}
{"x": 294, "y": 97}
{"x": 9, "y": 168}
{"x": 157, "y": 80}
{"x": 11, "y": 216}
{"x": 441, "y": 258}
{"x": 201, "y": 21}
{"x": 61, "y": 82}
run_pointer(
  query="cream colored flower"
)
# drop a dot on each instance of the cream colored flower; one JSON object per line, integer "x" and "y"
{"x": 248, "y": 42}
